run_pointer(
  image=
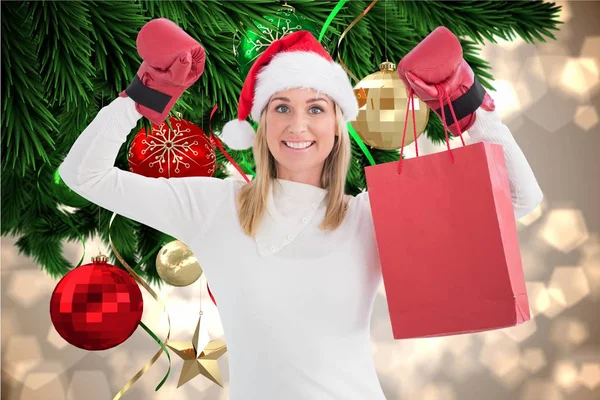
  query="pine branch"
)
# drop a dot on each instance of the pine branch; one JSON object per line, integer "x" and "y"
{"x": 84, "y": 221}
{"x": 435, "y": 129}
{"x": 483, "y": 20}
{"x": 72, "y": 122}
{"x": 87, "y": 54}
{"x": 123, "y": 236}
{"x": 480, "y": 67}
{"x": 16, "y": 197}
{"x": 64, "y": 51}
{"x": 148, "y": 238}
{"x": 43, "y": 238}
{"x": 356, "y": 178}
{"x": 26, "y": 197}
{"x": 45, "y": 254}
{"x": 26, "y": 120}
{"x": 114, "y": 55}
{"x": 355, "y": 181}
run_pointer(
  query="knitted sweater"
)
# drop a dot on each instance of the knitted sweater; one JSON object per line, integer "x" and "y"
{"x": 295, "y": 302}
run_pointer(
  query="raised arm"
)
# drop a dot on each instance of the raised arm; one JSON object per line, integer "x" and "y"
{"x": 177, "y": 206}
{"x": 524, "y": 188}
{"x": 439, "y": 75}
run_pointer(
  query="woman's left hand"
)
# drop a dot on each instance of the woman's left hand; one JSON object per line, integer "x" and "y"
{"x": 436, "y": 67}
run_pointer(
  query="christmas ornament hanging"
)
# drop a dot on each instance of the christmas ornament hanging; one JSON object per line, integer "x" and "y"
{"x": 65, "y": 195}
{"x": 194, "y": 362}
{"x": 251, "y": 45}
{"x": 177, "y": 265}
{"x": 96, "y": 306}
{"x": 383, "y": 98}
{"x": 165, "y": 153}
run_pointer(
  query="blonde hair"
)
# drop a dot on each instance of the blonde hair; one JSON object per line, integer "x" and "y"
{"x": 252, "y": 199}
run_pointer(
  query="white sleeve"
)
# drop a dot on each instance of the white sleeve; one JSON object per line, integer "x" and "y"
{"x": 178, "y": 207}
{"x": 524, "y": 188}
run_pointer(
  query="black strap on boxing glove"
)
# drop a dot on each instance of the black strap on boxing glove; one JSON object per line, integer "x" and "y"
{"x": 465, "y": 104}
{"x": 147, "y": 97}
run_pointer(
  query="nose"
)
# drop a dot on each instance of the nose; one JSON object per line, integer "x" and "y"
{"x": 297, "y": 125}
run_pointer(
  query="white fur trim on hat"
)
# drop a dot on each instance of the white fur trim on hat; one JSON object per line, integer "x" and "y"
{"x": 238, "y": 135}
{"x": 303, "y": 69}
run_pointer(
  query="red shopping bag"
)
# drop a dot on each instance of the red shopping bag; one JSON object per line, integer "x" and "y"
{"x": 448, "y": 244}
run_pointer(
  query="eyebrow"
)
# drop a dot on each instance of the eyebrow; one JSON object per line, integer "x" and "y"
{"x": 307, "y": 101}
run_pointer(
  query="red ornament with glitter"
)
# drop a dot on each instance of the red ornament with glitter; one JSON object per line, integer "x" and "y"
{"x": 96, "y": 306}
{"x": 165, "y": 153}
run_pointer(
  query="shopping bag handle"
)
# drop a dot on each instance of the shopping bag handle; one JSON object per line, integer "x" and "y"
{"x": 441, "y": 91}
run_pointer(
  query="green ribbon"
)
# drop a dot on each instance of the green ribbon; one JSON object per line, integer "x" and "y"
{"x": 165, "y": 350}
{"x": 247, "y": 166}
{"x": 147, "y": 256}
{"x": 360, "y": 143}
{"x": 330, "y": 18}
{"x": 351, "y": 129}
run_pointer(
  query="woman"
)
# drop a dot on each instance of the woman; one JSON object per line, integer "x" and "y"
{"x": 291, "y": 259}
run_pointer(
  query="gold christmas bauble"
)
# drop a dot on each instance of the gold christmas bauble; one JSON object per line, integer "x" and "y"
{"x": 177, "y": 265}
{"x": 383, "y": 98}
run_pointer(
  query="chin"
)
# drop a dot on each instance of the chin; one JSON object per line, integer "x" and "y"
{"x": 297, "y": 167}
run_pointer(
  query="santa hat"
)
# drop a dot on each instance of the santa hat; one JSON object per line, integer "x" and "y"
{"x": 297, "y": 60}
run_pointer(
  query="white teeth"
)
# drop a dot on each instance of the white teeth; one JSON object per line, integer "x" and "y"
{"x": 298, "y": 145}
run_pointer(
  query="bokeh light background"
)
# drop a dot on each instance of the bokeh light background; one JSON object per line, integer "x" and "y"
{"x": 549, "y": 96}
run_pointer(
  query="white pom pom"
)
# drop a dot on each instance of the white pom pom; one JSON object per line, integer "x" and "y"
{"x": 238, "y": 135}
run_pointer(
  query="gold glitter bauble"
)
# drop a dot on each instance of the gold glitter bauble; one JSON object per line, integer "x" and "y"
{"x": 382, "y": 98}
{"x": 177, "y": 265}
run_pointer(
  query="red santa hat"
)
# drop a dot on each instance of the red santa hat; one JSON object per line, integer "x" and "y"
{"x": 297, "y": 60}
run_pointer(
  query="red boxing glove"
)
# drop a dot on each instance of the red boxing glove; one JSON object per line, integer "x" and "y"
{"x": 173, "y": 61}
{"x": 437, "y": 62}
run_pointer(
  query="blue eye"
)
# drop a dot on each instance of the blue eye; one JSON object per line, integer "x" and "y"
{"x": 278, "y": 107}
{"x": 318, "y": 108}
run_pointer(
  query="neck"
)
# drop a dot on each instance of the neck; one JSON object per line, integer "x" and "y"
{"x": 309, "y": 177}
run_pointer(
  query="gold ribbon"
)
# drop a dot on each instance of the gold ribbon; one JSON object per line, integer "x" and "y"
{"x": 155, "y": 296}
{"x": 365, "y": 11}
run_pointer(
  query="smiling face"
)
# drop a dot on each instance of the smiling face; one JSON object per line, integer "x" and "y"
{"x": 301, "y": 128}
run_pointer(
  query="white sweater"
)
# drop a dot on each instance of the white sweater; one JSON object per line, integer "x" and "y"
{"x": 295, "y": 302}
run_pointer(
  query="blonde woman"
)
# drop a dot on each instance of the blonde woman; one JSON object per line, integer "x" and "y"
{"x": 291, "y": 259}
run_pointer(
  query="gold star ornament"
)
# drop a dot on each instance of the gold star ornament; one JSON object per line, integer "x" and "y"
{"x": 204, "y": 363}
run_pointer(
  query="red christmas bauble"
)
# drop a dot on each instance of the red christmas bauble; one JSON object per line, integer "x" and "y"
{"x": 181, "y": 152}
{"x": 96, "y": 306}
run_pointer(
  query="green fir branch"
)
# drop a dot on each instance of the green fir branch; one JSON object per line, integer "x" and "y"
{"x": 124, "y": 238}
{"x": 43, "y": 240}
{"x": 45, "y": 253}
{"x": 113, "y": 33}
{"x": 485, "y": 20}
{"x": 16, "y": 196}
{"x": 26, "y": 120}
{"x": 64, "y": 51}
{"x": 63, "y": 61}
{"x": 148, "y": 238}
{"x": 480, "y": 67}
